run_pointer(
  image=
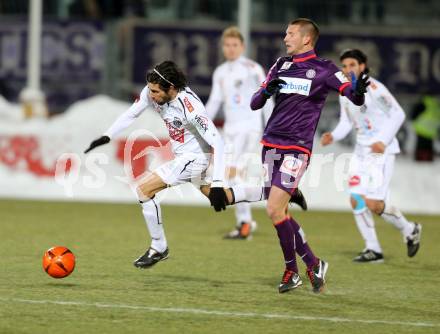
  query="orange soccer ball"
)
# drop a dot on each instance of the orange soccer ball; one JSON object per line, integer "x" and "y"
{"x": 58, "y": 262}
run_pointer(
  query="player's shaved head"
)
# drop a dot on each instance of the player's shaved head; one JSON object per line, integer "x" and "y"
{"x": 308, "y": 27}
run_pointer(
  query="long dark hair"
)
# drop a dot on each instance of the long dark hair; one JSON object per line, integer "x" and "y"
{"x": 167, "y": 74}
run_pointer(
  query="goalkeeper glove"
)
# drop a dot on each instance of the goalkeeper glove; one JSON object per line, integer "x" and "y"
{"x": 98, "y": 142}
{"x": 273, "y": 87}
{"x": 217, "y": 196}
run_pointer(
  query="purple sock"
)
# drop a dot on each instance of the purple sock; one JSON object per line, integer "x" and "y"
{"x": 286, "y": 236}
{"x": 301, "y": 246}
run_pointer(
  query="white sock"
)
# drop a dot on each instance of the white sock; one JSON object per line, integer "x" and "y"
{"x": 243, "y": 213}
{"x": 365, "y": 223}
{"x": 392, "y": 215}
{"x": 248, "y": 193}
{"x": 153, "y": 219}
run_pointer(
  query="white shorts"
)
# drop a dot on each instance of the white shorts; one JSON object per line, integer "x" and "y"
{"x": 183, "y": 169}
{"x": 370, "y": 175}
{"x": 238, "y": 144}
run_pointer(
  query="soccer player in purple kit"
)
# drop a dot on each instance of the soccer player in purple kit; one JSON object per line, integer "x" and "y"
{"x": 300, "y": 83}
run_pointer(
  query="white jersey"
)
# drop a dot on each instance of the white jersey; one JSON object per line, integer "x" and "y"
{"x": 379, "y": 119}
{"x": 190, "y": 129}
{"x": 233, "y": 84}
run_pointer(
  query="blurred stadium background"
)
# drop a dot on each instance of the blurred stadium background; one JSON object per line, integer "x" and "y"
{"x": 94, "y": 56}
{"x": 93, "y": 61}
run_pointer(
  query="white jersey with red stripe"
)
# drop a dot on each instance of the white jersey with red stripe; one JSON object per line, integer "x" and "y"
{"x": 379, "y": 119}
{"x": 233, "y": 84}
{"x": 190, "y": 129}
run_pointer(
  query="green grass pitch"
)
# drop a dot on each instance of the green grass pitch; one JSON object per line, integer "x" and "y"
{"x": 208, "y": 285}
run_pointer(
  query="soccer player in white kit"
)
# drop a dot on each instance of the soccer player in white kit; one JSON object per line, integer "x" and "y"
{"x": 371, "y": 167}
{"x": 233, "y": 84}
{"x": 193, "y": 137}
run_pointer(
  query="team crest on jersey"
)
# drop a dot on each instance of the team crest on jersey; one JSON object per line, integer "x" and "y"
{"x": 311, "y": 73}
{"x": 175, "y": 134}
{"x": 177, "y": 122}
{"x": 286, "y": 65}
{"x": 188, "y": 104}
{"x": 201, "y": 123}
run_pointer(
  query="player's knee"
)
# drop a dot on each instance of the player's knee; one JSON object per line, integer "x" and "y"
{"x": 353, "y": 202}
{"x": 144, "y": 194}
{"x": 357, "y": 202}
{"x": 275, "y": 212}
{"x": 375, "y": 206}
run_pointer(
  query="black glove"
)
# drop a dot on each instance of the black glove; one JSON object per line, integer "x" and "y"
{"x": 217, "y": 196}
{"x": 274, "y": 86}
{"x": 98, "y": 142}
{"x": 361, "y": 84}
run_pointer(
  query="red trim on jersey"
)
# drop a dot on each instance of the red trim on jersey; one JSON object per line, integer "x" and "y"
{"x": 283, "y": 221}
{"x": 286, "y": 147}
{"x": 343, "y": 86}
{"x": 299, "y": 60}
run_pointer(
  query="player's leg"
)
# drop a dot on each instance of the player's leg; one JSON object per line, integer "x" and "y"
{"x": 244, "y": 225}
{"x": 178, "y": 171}
{"x": 366, "y": 226}
{"x": 378, "y": 202}
{"x": 238, "y": 194}
{"x": 359, "y": 176}
{"x": 151, "y": 211}
{"x": 410, "y": 231}
{"x": 285, "y": 169}
{"x": 239, "y": 144}
{"x": 276, "y": 209}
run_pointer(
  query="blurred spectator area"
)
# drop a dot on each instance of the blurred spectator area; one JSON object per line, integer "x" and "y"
{"x": 389, "y": 12}
{"x": 106, "y": 46}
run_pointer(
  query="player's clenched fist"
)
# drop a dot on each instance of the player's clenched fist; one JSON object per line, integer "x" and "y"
{"x": 98, "y": 142}
{"x": 273, "y": 86}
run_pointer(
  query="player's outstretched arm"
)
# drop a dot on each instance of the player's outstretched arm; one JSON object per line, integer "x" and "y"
{"x": 123, "y": 121}
{"x": 206, "y": 128}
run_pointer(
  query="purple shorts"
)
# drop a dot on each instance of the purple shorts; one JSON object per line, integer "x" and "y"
{"x": 283, "y": 168}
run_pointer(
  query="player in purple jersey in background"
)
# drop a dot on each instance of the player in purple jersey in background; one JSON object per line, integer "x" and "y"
{"x": 300, "y": 83}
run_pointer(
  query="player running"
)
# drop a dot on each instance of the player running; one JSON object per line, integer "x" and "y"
{"x": 193, "y": 137}
{"x": 233, "y": 85}
{"x": 377, "y": 122}
{"x": 300, "y": 83}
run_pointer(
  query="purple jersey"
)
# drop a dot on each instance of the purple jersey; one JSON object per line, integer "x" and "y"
{"x": 298, "y": 104}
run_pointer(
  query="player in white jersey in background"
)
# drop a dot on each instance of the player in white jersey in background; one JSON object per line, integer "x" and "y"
{"x": 371, "y": 167}
{"x": 193, "y": 136}
{"x": 233, "y": 84}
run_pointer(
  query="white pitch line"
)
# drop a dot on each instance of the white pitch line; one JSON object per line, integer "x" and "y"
{"x": 219, "y": 313}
